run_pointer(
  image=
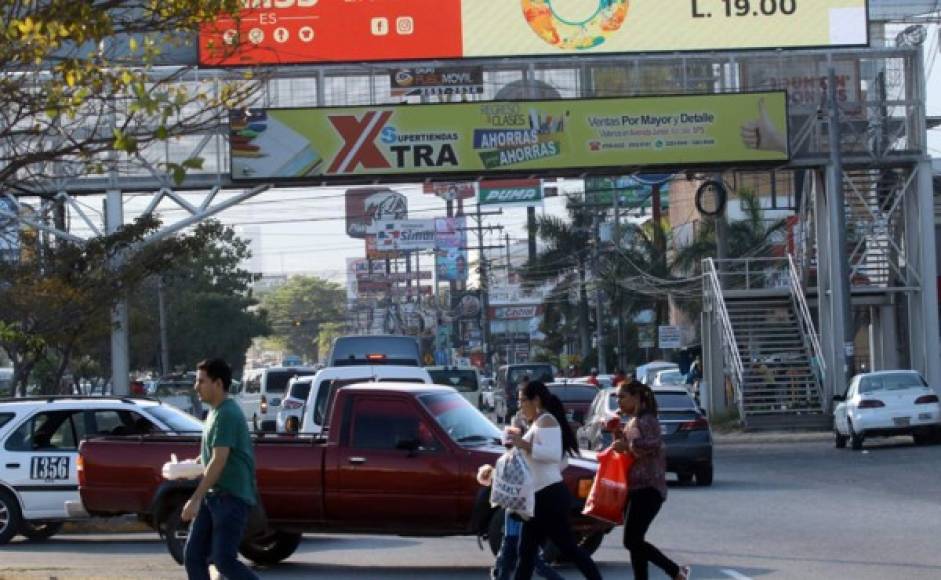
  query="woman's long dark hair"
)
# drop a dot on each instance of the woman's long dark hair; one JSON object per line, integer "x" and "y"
{"x": 645, "y": 394}
{"x": 552, "y": 405}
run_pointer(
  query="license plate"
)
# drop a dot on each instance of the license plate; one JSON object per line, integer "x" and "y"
{"x": 49, "y": 468}
{"x": 901, "y": 421}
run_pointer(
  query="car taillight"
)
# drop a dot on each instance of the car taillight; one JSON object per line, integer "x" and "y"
{"x": 80, "y": 470}
{"x": 291, "y": 404}
{"x": 871, "y": 404}
{"x": 699, "y": 424}
{"x": 926, "y": 399}
{"x": 264, "y": 405}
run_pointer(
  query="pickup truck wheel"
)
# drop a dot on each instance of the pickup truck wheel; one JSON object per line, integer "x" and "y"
{"x": 10, "y": 517}
{"x": 39, "y": 531}
{"x": 270, "y": 548}
{"x": 175, "y": 531}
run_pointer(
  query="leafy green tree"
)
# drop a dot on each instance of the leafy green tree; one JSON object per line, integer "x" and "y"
{"x": 210, "y": 310}
{"x": 748, "y": 237}
{"x": 56, "y": 301}
{"x": 299, "y": 310}
{"x": 81, "y": 83}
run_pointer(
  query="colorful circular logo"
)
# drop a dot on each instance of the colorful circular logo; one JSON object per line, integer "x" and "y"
{"x": 571, "y": 34}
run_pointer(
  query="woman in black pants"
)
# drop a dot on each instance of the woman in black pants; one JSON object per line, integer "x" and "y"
{"x": 545, "y": 447}
{"x": 647, "y": 481}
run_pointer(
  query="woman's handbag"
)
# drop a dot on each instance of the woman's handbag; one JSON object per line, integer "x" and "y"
{"x": 512, "y": 487}
{"x": 608, "y": 494}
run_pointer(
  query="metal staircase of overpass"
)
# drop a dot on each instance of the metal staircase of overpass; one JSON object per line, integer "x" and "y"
{"x": 770, "y": 346}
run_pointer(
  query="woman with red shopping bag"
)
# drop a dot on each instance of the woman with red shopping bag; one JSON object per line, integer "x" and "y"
{"x": 647, "y": 476}
{"x": 608, "y": 495}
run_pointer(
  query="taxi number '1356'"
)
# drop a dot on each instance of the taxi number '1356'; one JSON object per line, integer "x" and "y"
{"x": 49, "y": 468}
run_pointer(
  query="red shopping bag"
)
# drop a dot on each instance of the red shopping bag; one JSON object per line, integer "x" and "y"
{"x": 608, "y": 494}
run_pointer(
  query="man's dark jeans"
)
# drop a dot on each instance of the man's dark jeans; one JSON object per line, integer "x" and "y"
{"x": 215, "y": 537}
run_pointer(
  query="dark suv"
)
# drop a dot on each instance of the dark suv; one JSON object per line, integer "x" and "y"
{"x": 377, "y": 349}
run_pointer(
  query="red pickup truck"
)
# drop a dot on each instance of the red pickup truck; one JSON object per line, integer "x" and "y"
{"x": 395, "y": 459}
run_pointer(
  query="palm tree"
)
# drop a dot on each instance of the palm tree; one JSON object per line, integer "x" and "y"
{"x": 564, "y": 261}
{"x": 746, "y": 238}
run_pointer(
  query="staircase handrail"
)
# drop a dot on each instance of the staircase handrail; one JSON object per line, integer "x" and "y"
{"x": 711, "y": 276}
{"x": 806, "y": 321}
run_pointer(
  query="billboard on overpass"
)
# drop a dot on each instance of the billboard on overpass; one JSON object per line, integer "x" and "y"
{"x": 398, "y": 141}
{"x": 325, "y": 31}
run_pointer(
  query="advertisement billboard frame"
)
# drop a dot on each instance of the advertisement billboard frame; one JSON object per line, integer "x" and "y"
{"x": 371, "y": 179}
{"x": 204, "y": 59}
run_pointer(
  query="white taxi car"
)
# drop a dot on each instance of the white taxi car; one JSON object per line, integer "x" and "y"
{"x": 885, "y": 404}
{"x": 39, "y": 439}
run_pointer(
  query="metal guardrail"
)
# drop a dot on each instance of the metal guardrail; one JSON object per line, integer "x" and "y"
{"x": 752, "y": 274}
{"x": 732, "y": 355}
{"x": 807, "y": 323}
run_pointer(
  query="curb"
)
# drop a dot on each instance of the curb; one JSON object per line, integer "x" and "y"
{"x": 746, "y": 438}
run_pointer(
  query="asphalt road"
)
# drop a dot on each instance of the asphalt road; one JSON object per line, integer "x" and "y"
{"x": 799, "y": 510}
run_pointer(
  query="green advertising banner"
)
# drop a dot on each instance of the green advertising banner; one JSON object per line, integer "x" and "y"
{"x": 510, "y": 192}
{"x": 632, "y": 193}
{"x": 522, "y": 136}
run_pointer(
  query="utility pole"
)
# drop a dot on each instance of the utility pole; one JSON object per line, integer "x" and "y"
{"x": 599, "y": 308}
{"x": 621, "y": 362}
{"x": 484, "y": 278}
{"x": 164, "y": 345}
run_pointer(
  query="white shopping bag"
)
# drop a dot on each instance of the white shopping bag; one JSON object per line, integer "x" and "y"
{"x": 512, "y": 487}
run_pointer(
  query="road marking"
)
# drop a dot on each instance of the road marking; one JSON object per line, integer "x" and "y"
{"x": 735, "y": 575}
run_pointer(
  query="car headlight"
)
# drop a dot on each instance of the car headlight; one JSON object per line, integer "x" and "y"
{"x": 584, "y": 487}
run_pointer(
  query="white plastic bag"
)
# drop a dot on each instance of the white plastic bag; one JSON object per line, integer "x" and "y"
{"x": 512, "y": 487}
{"x": 175, "y": 469}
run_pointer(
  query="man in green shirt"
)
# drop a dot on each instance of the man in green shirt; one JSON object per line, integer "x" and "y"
{"x": 225, "y": 495}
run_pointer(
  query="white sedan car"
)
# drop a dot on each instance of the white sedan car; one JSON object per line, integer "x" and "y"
{"x": 885, "y": 404}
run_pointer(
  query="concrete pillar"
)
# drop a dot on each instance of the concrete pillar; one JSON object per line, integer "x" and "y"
{"x": 831, "y": 342}
{"x": 714, "y": 401}
{"x": 923, "y": 304}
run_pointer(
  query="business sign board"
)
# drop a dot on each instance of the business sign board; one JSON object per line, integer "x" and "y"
{"x": 9, "y": 231}
{"x": 511, "y": 192}
{"x": 670, "y": 337}
{"x": 645, "y": 336}
{"x": 404, "y": 235}
{"x": 449, "y": 191}
{"x": 451, "y": 249}
{"x": 522, "y": 312}
{"x": 412, "y": 141}
{"x": 364, "y": 207}
{"x": 281, "y": 32}
{"x": 807, "y": 81}
{"x": 431, "y": 81}
{"x": 373, "y": 252}
{"x": 632, "y": 192}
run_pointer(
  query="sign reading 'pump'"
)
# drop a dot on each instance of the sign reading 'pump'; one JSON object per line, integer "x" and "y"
{"x": 322, "y": 31}
{"x": 352, "y": 143}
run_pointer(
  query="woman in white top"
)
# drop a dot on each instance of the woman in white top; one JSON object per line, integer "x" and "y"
{"x": 545, "y": 447}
